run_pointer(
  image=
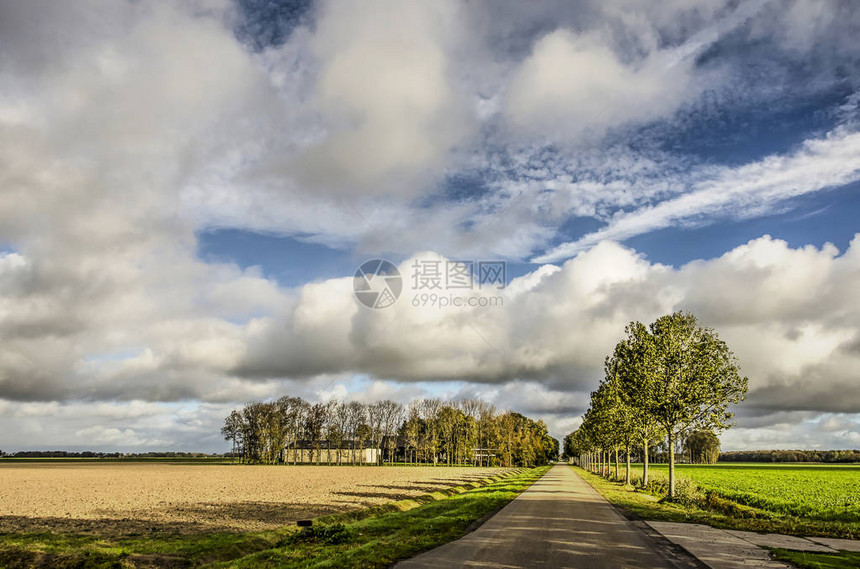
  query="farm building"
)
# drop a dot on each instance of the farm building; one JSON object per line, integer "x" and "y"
{"x": 324, "y": 452}
{"x": 390, "y": 450}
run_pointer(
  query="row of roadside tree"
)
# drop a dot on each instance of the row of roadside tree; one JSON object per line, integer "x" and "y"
{"x": 662, "y": 382}
{"x": 426, "y": 431}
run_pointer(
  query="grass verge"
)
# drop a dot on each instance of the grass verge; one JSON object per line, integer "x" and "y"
{"x": 374, "y": 537}
{"x": 715, "y": 511}
{"x": 807, "y": 560}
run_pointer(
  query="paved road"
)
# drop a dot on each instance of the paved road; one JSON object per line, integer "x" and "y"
{"x": 560, "y": 521}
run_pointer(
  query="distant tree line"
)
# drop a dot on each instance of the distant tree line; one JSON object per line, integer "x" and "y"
{"x": 791, "y": 456}
{"x": 671, "y": 381}
{"x": 426, "y": 431}
{"x": 59, "y": 454}
{"x": 95, "y": 454}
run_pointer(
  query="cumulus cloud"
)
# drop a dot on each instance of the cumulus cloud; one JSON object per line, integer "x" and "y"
{"x": 578, "y": 82}
{"x": 111, "y": 426}
{"x": 783, "y": 310}
{"x": 127, "y": 128}
{"x": 572, "y": 83}
{"x": 786, "y": 313}
{"x": 385, "y": 91}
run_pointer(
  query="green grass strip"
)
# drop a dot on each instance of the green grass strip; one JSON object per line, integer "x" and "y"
{"x": 807, "y": 560}
{"x": 719, "y": 513}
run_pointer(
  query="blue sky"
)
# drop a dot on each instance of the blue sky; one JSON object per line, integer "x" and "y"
{"x": 760, "y": 119}
{"x": 188, "y": 192}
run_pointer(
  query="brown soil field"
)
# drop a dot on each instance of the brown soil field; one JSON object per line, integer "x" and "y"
{"x": 136, "y": 498}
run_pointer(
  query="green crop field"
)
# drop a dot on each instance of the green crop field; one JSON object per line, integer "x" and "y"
{"x": 826, "y": 492}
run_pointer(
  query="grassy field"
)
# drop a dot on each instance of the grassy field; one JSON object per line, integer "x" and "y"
{"x": 815, "y": 491}
{"x": 813, "y": 500}
{"x": 374, "y": 537}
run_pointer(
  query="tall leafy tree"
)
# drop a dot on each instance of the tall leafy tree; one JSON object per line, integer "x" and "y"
{"x": 681, "y": 375}
{"x": 637, "y": 426}
{"x": 232, "y": 430}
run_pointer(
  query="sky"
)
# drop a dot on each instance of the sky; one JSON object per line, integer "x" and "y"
{"x": 188, "y": 188}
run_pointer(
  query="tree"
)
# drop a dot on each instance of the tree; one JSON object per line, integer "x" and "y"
{"x": 263, "y": 431}
{"x": 600, "y": 424}
{"x": 412, "y": 429}
{"x": 339, "y": 430}
{"x": 471, "y": 409}
{"x": 680, "y": 374}
{"x": 315, "y": 422}
{"x": 632, "y": 422}
{"x": 336, "y": 432}
{"x": 430, "y": 408}
{"x": 357, "y": 414}
{"x": 253, "y": 432}
{"x": 375, "y": 420}
{"x": 232, "y": 430}
{"x": 447, "y": 426}
{"x": 486, "y": 414}
{"x": 508, "y": 438}
{"x": 392, "y": 416}
{"x": 291, "y": 411}
{"x": 703, "y": 447}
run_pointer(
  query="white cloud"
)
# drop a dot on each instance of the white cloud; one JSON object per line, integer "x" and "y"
{"x": 783, "y": 310}
{"x": 574, "y": 83}
{"x": 384, "y": 91}
{"x": 109, "y": 436}
{"x": 125, "y": 128}
{"x": 736, "y": 193}
{"x": 580, "y": 83}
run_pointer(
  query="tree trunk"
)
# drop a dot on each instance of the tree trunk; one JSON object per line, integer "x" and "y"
{"x": 645, "y": 463}
{"x": 671, "y": 465}
{"x": 627, "y": 458}
{"x": 616, "y": 463}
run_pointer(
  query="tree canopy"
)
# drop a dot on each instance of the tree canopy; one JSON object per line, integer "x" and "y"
{"x": 669, "y": 378}
{"x": 429, "y": 431}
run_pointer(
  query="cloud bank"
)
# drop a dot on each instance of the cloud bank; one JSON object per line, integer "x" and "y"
{"x": 127, "y": 129}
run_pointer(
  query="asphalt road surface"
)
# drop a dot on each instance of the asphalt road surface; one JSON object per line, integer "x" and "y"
{"x": 560, "y": 521}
